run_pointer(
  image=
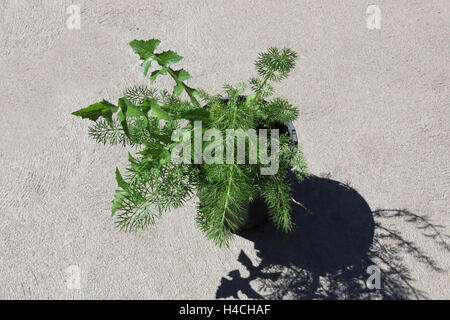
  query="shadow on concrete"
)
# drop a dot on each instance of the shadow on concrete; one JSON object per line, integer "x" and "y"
{"x": 328, "y": 254}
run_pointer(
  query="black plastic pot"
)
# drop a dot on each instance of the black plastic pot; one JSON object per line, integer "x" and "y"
{"x": 256, "y": 213}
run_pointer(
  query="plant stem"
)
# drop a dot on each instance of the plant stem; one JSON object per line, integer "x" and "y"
{"x": 258, "y": 92}
{"x": 188, "y": 90}
{"x": 301, "y": 205}
{"x": 231, "y": 167}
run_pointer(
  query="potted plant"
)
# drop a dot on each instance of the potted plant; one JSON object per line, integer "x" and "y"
{"x": 232, "y": 151}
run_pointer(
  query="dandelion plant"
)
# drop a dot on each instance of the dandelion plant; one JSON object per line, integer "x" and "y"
{"x": 187, "y": 142}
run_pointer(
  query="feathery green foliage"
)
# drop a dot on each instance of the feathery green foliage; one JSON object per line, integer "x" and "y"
{"x": 275, "y": 64}
{"x": 147, "y": 119}
{"x": 138, "y": 94}
{"x": 276, "y": 191}
{"x": 112, "y": 133}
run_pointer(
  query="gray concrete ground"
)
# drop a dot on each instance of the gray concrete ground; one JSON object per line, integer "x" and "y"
{"x": 374, "y": 113}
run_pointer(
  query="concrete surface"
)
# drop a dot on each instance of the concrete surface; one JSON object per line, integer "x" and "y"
{"x": 374, "y": 113}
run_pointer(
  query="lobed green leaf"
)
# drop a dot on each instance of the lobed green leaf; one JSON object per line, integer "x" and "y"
{"x": 167, "y": 58}
{"x": 100, "y": 109}
{"x": 145, "y": 50}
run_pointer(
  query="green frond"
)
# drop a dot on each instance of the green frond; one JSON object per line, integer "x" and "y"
{"x": 292, "y": 158}
{"x": 275, "y": 64}
{"x": 234, "y": 91}
{"x": 285, "y": 150}
{"x": 276, "y": 192}
{"x": 298, "y": 165}
{"x": 133, "y": 205}
{"x": 222, "y": 201}
{"x": 234, "y": 114}
{"x": 279, "y": 110}
{"x": 148, "y": 191}
{"x": 104, "y": 132}
{"x": 138, "y": 94}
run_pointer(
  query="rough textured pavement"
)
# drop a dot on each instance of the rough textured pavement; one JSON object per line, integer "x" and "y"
{"x": 374, "y": 114}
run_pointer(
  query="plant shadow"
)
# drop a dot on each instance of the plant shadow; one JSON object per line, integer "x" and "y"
{"x": 327, "y": 255}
